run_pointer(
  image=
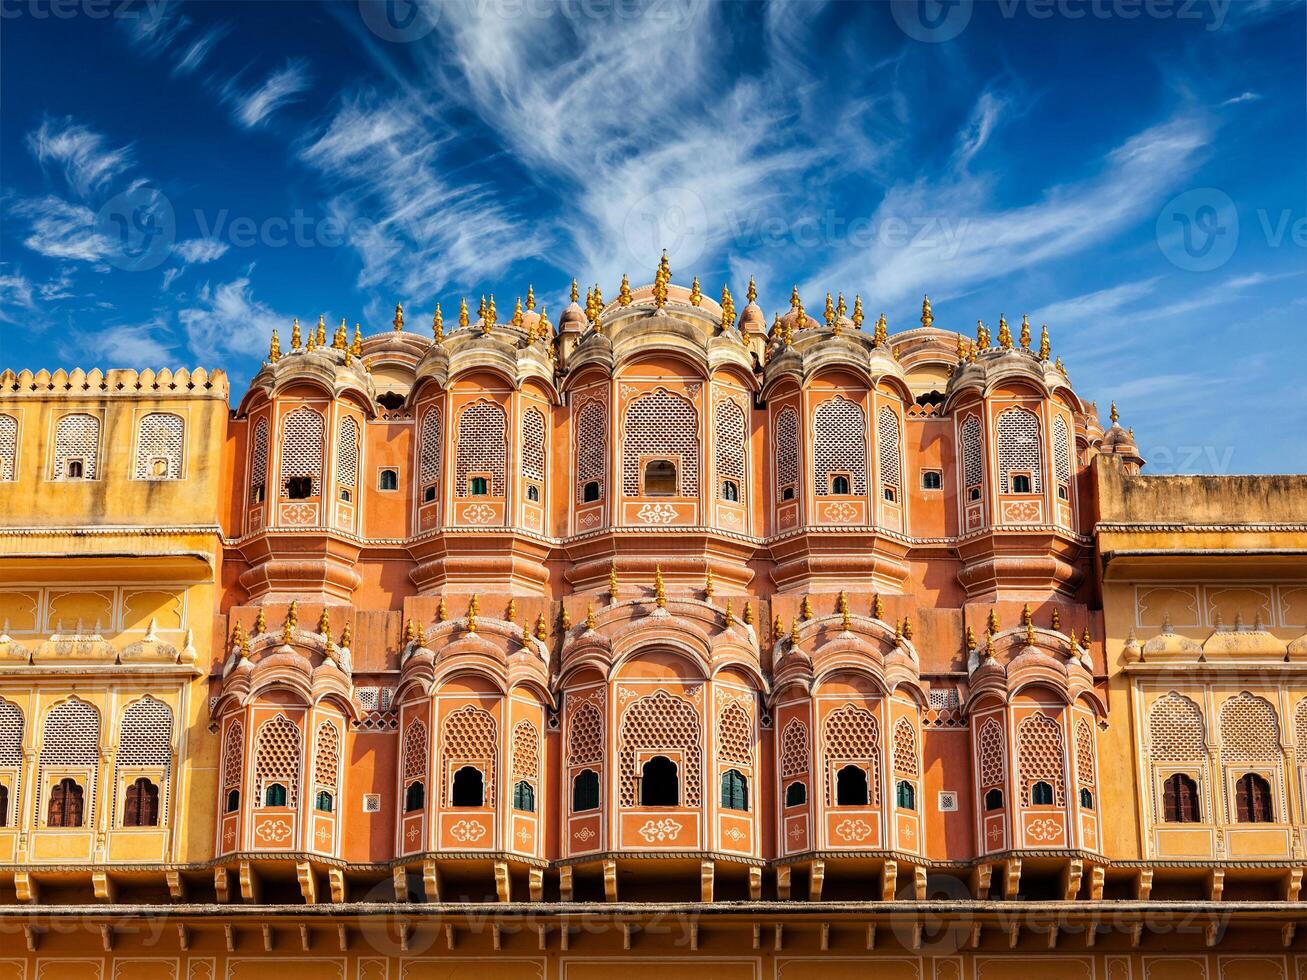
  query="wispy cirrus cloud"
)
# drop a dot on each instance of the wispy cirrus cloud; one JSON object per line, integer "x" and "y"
{"x": 85, "y": 158}
{"x": 225, "y": 319}
{"x": 16, "y": 295}
{"x": 198, "y": 50}
{"x": 59, "y": 229}
{"x": 121, "y": 345}
{"x": 197, "y": 251}
{"x": 253, "y": 106}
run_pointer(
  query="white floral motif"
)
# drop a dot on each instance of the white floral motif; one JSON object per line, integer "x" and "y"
{"x": 478, "y": 513}
{"x": 735, "y": 834}
{"x": 467, "y": 830}
{"x": 660, "y": 830}
{"x": 273, "y": 831}
{"x": 842, "y": 512}
{"x": 1048, "y": 829}
{"x": 853, "y": 829}
{"x": 298, "y": 514}
{"x": 585, "y": 835}
{"x": 656, "y": 513}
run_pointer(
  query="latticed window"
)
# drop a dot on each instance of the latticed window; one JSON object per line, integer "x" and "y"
{"x": 991, "y": 753}
{"x": 1061, "y": 451}
{"x": 526, "y": 751}
{"x": 794, "y": 748}
{"x": 1252, "y": 799}
{"x": 665, "y": 425}
{"x": 347, "y": 453}
{"x": 277, "y": 760}
{"x": 71, "y": 737}
{"x": 8, "y": 448}
{"x": 1250, "y": 731}
{"x": 468, "y": 738}
{"x": 839, "y": 445}
{"x": 141, "y": 804}
{"x": 259, "y": 463}
{"x": 415, "y": 750}
{"x": 1039, "y": 758}
{"x": 1300, "y": 730}
{"x": 661, "y": 722}
{"x": 887, "y": 445}
{"x": 233, "y": 765}
{"x": 326, "y": 757}
{"x": 787, "y": 453}
{"x": 728, "y": 431}
{"x": 1175, "y": 730}
{"x": 905, "y": 748}
{"x": 591, "y": 448}
{"x": 585, "y": 736}
{"x": 76, "y": 447}
{"x": 482, "y": 431}
{"x": 1180, "y": 803}
{"x": 1018, "y": 449}
{"x": 533, "y": 444}
{"x": 11, "y": 754}
{"x": 973, "y": 458}
{"x": 852, "y": 735}
{"x": 159, "y": 446}
{"x": 145, "y": 739}
{"x": 735, "y": 735}
{"x": 1084, "y": 754}
{"x": 429, "y": 449}
{"x": 301, "y": 451}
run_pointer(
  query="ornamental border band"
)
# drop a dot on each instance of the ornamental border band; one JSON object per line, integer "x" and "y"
{"x": 662, "y": 637}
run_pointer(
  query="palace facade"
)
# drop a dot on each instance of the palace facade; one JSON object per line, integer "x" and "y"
{"x": 665, "y": 639}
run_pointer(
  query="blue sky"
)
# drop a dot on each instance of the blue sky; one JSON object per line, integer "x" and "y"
{"x": 176, "y": 179}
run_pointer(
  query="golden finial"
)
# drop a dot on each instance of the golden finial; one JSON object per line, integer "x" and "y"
{"x": 340, "y": 340}
{"x": 794, "y": 296}
{"x": 612, "y": 581}
{"x": 356, "y": 348}
{"x": 971, "y": 638}
{"x": 857, "y": 312}
{"x": 421, "y": 638}
{"x": 481, "y": 308}
{"x": 696, "y": 294}
{"x": 473, "y": 607}
{"x": 599, "y": 301}
{"x": 962, "y": 348}
{"x": 293, "y": 613}
{"x": 748, "y": 614}
{"x": 1004, "y": 334}
{"x": 751, "y": 293}
{"x": 590, "y": 616}
{"x": 898, "y": 634}
{"x": 324, "y": 622}
{"x": 729, "y": 614}
{"x": 237, "y": 635}
{"x": 544, "y": 327}
{"x": 526, "y": 635}
{"x": 842, "y": 603}
{"x": 1057, "y": 620}
{"x": 346, "y": 636}
{"x": 565, "y": 619}
{"x": 349, "y": 357}
{"x": 510, "y": 614}
{"x": 806, "y": 609}
{"x": 462, "y": 311}
{"x": 288, "y": 627}
{"x": 1025, "y": 332}
{"x": 992, "y": 624}
{"x": 245, "y": 648}
{"x": 1026, "y": 617}
{"x": 907, "y": 628}
{"x": 877, "y": 607}
{"x": 274, "y": 348}
{"x": 846, "y": 622}
{"x": 728, "y": 309}
{"x": 530, "y": 297}
{"x": 982, "y": 335}
{"x": 517, "y": 313}
{"x": 881, "y": 337}
{"x": 295, "y": 334}
{"x": 778, "y": 628}
{"x": 442, "y": 611}
{"x": 927, "y": 317}
{"x": 491, "y": 315}
{"x": 1030, "y": 634}
{"x": 1084, "y": 638}
{"x": 1114, "y": 415}
{"x": 787, "y": 331}
{"x": 828, "y": 314}
{"x": 1044, "y": 347}
{"x": 660, "y": 594}
{"x": 661, "y": 278}
{"x": 438, "y": 325}
{"x": 971, "y": 353}
{"x": 322, "y": 330}
{"x": 312, "y": 343}
{"x": 409, "y": 633}
{"x": 989, "y": 647}
{"x": 398, "y": 322}
{"x": 574, "y": 292}
{"x": 800, "y": 318}
{"x": 260, "y": 623}
{"x": 542, "y": 628}
{"x": 624, "y": 291}
{"x": 708, "y": 584}
{"x": 794, "y": 634}
{"x": 841, "y": 308}
{"x": 1058, "y": 364}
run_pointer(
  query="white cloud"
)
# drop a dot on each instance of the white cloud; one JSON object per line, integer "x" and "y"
{"x": 226, "y": 319}
{"x": 1241, "y": 97}
{"x": 1089, "y": 306}
{"x": 974, "y": 136}
{"x": 255, "y": 105}
{"x": 87, "y": 161}
{"x": 15, "y": 296}
{"x": 198, "y": 50}
{"x": 124, "y": 345}
{"x": 197, "y": 251}
{"x": 169, "y": 275}
{"x": 62, "y": 230}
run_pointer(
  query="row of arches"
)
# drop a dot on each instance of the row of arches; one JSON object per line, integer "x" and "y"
{"x": 158, "y": 452}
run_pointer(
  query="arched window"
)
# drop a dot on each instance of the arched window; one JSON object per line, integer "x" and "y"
{"x": 301, "y": 455}
{"x": 71, "y": 737}
{"x": 347, "y": 456}
{"x": 973, "y": 458}
{"x": 660, "y": 478}
{"x": 278, "y": 757}
{"x": 1086, "y": 799}
{"x": 585, "y": 791}
{"x": 1180, "y": 800}
{"x": 656, "y": 724}
{"x": 524, "y": 797}
{"x": 233, "y": 764}
{"x": 1250, "y": 729}
{"x": 730, "y": 491}
{"x": 839, "y": 445}
{"x": 274, "y": 794}
{"x": 259, "y": 463}
{"x": 533, "y": 445}
{"x": 839, "y": 485}
{"x": 659, "y": 785}
{"x": 794, "y": 748}
{"x": 159, "y": 440}
{"x": 65, "y": 806}
{"x": 994, "y": 799}
{"x": 665, "y": 425}
{"x": 591, "y": 449}
{"x": 388, "y": 479}
{"x": 323, "y": 801}
{"x": 728, "y": 435}
{"x": 905, "y": 795}
{"x": 735, "y": 790}
{"x": 852, "y": 739}
{"x": 1040, "y": 757}
{"x": 141, "y": 805}
{"x": 481, "y": 447}
{"x": 1041, "y": 794}
{"x": 76, "y": 447}
{"x": 887, "y": 447}
{"x": 1062, "y": 457}
{"x": 590, "y": 492}
{"x": 8, "y": 448}
{"x": 414, "y": 796}
{"x": 1018, "y": 450}
{"x": 326, "y": 764}
{"x": 145, "y": 739}
{"x": 1252, "y": 796}
{"x": 469, "y": 787}
{"x": 429, "y": 455}
{"x": 796, "y": 794}
{"x": 851, "y": 787}
{"x": 786, "y": 448}
{"x": 11, "y": 754}
{"x": 932, "y": 480}
{"x": 233, "y": 801}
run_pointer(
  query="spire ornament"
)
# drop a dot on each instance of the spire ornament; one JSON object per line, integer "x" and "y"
{"x": 491, "y": 315}
{"x": 590, "y": 617}
{"x": 324, "y": 623}
{"x": 295, "y": 334}
{"x": 517, "y": 313}
{"x": 778, "y": 627}
{"x": 623, "y": 291}
{"x": 748, "y": 614}
{"x": 292, "y": 620}
{"x": 1004, "y": 334}
{"x": 708, "y": 584}
{"x": 260, "y": 623}
{"x": 660, "y": 593}
{"x": 274, "y": 348}
{"x": 877, "y": 607}
{"x": 565, "y": 619}
{"x": 794, "y": 634}
{"x": 574, "y": 293}
{"x": 881, "y": 336}
{"x": 927, "y": 317}
{"x": 437, "y": 325}
{"x": 340, "y": 339}
{"x": 1025, "y": 332}
{"x": 542, "y": 628}
{"x": 473, "y": 607}
{"x": 828, "y": 313}
{"x": 510, "y": 613}
{"x": 462, "y": 311}
{"x": 1044, "y": 347}
{"x": 612, "y": 582}
{"x": 840, "y": 309}
{"x": 1114, "y": 415}
{"x": 696, "y": 294}
{"x": 322, "y": 330}
{"x": 857, "y": 312}
{"x": 530, "y": 297}
{"x": 356, "y": 348}
{"x": 442, "y": 612}
{"x": 398, "y": 322}
{"x": 751, "y": 294}
{"x": 982, "y": 335}
{"x": 661, "y": 278}
{"x": 728, "y": 309}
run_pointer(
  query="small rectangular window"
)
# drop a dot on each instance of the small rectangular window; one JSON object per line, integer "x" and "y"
{"x": 388, "y": 479}
{"x": 932, "y": 480}
{"x": 891, "y": 494}
{"x": 429, "y": 494}
{"x": 1021, "y": 483}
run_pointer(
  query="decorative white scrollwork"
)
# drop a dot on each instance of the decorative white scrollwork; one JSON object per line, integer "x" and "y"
{"x": 660, "y": 830}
